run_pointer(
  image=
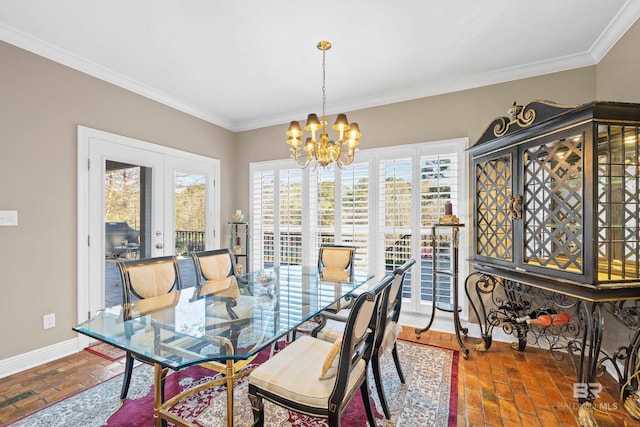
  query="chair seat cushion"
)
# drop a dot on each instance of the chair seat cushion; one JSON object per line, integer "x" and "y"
{"x": 294, "y": 373}
{"x": 243, "y": 309}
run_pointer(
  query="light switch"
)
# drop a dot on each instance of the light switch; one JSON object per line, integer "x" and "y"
{"x": 8, "y": 218}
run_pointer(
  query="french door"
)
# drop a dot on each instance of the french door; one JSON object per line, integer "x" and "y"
{"x": 137, "y": 200}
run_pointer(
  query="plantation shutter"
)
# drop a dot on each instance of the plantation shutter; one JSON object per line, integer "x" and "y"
{"x": 394, "y": 213}
{"x": 354, "y": 203}
{"x": 325, "y": 210}
{"x": 290, "y": 216}
{"x": 262, "y": 221}
{"x": 438, "y": 185}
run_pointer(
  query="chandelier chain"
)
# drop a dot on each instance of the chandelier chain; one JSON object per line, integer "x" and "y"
{"x": 324, "y": 87}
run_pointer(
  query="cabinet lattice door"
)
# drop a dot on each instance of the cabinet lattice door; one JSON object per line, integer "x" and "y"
{"x": 494, "y": 225}
{"x": 553, "y": 204}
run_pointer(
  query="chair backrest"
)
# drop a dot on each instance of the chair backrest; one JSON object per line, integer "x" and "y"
{"x": 394, "y": 303}
{"x": 390, "y": 307}
{"x": 150, "y": 277}
{"x": 358, "y": 338}
{"x": 335, "y": 262}
{"x": 215, "y": 273}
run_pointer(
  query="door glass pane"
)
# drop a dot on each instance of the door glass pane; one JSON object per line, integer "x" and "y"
{"x": 189, "y": 201}
{"x": 127, "y": 197}
{"x": 190, "y": 219}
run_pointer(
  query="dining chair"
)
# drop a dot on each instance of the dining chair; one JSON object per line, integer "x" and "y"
{"x": 318, "y": 378}
{"x": 389, "y": 329}
{"x": 216, "y": 277}
{"x": 335, "y": 262}
{"x": 143, "y": 279}
{"x": 331, "y": 326}
{"x": 231, "y": 305}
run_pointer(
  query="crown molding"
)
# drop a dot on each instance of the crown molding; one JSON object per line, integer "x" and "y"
{"x": 625, "y": 18}
{"x": 452, "y": 84}
{"x": 619, "y": 25}
{"x": 71, "y": 60}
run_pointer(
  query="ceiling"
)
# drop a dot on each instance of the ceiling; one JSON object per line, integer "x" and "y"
{"x": 245, "y": 64}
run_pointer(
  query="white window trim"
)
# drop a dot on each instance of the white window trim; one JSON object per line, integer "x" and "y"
{"x": 375, "y": 249}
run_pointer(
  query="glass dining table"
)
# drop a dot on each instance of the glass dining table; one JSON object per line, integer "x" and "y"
{"x": 185, "y": 327}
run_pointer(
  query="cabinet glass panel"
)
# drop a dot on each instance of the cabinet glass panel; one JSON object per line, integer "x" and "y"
{"x": 493, "y": 224}
{"x": 617, "y": 203}
{"x": 553, "y": 204}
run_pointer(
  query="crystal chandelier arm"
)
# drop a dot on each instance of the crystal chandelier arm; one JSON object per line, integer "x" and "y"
{"x": 346, "y": 156}
{"x": 296, "y": 156}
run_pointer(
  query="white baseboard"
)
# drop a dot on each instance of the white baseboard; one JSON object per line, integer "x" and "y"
{"x": 443, "y": 322}
{"x": 37, "y": 357}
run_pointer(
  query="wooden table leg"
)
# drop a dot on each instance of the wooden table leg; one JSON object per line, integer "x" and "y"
{"x": 157, "y": 394}
{"x": 230, "y": 375}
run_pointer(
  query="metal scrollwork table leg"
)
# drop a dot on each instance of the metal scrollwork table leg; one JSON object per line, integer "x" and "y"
{"x": 497, "y": 302}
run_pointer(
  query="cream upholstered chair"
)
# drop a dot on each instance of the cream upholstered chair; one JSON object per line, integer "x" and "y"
{"x": 216, "y": 278}
{"x": 231, "y": 304}
{"x": 319, "y": 378}
{"x": 335, "y": 262}
{"x": 389, "y": 328}
{"x": 142, "y": 279}
{"x": 332, "y": 326}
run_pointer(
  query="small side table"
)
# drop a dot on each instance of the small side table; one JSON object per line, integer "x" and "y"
{"x": 239, "y": 244}
{"x": 445, "y": 248}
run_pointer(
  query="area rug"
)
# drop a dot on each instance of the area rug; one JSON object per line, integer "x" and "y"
{"x": 107, "y": 351}
{"x": 429, "y": 399}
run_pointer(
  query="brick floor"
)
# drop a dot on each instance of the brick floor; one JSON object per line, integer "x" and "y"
{"x": 505, "y": 387}
{"x": 500, "y": 387}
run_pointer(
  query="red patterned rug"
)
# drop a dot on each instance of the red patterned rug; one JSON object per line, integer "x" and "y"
{"x": 428, "y": 399}
{"x": 107, "y": 351}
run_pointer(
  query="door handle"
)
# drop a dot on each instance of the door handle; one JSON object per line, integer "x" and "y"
{"x": 159, "y": 246}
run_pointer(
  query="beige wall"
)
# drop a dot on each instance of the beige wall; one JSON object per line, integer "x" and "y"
{"x": 467, "y": 114}
{"x": 618, "y": 72}
{"x": 460, "y": 114}
{"x": 41, "y": 103}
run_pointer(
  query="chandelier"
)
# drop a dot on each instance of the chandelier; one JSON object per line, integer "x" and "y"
{"x": 324, "y": 151}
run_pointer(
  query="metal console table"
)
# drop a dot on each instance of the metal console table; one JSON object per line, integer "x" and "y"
{"x": 445, "y": 238}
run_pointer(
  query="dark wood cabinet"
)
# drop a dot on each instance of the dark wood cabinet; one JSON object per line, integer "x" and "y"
{"x": 557, "y": 200}
{"x": 556, "y": 232}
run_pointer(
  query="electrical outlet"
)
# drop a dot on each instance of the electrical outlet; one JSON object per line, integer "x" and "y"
{"x": 49, "y": 321}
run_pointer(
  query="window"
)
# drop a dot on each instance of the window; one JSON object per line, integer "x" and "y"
{"x": 290, "y": 216}
{"x": 384, "y": 204}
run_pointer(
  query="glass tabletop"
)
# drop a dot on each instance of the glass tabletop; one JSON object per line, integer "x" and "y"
{"x": 183, "y": 328}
